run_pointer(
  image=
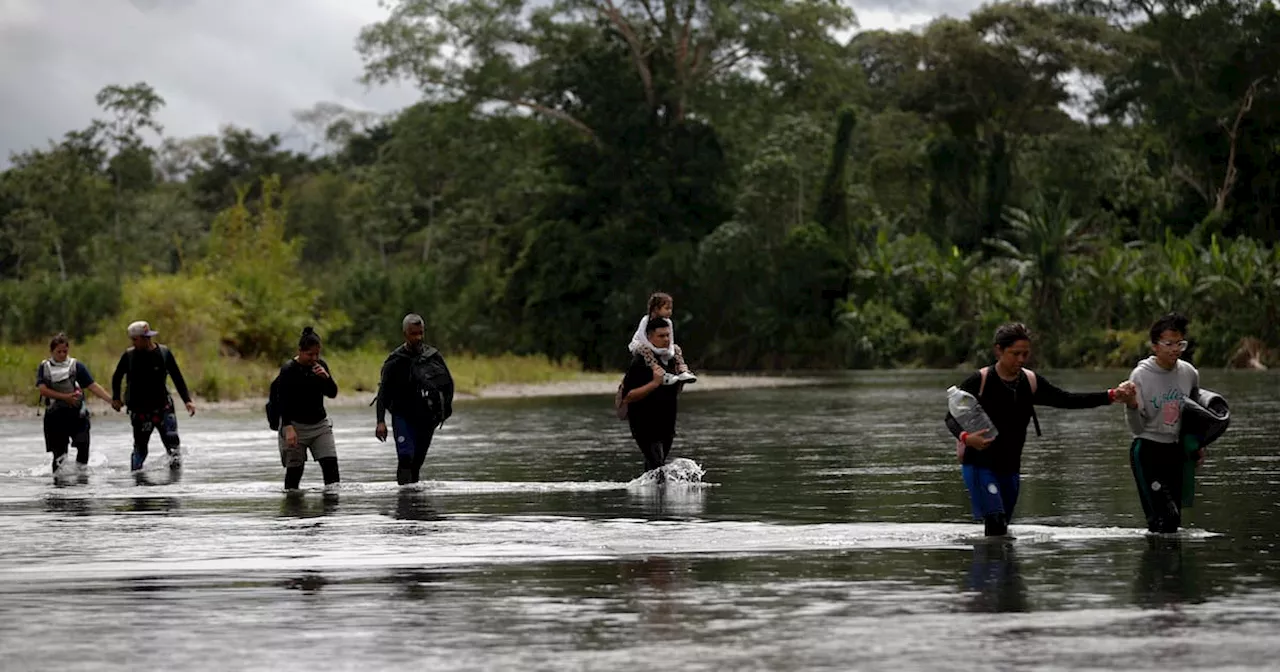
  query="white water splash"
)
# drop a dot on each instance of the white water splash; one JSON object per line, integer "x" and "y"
{"x": 680, "y": 470}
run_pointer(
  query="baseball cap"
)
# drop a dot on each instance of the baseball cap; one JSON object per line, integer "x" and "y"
{"x": 141, "y": 328}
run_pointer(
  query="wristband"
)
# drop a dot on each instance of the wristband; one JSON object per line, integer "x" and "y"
{"x": 1111, "y": 394}
{"x": 964, "y": 437}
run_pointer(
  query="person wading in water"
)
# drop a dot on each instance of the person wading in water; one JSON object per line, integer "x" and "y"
{"x": 1008, "y": 392}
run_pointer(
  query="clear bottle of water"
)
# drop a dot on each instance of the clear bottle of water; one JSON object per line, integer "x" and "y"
{"x": 968, "y": 412}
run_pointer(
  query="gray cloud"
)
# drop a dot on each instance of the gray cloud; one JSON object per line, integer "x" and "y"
{"x": 246, "y": 62}
{"x": 953, "y": 8}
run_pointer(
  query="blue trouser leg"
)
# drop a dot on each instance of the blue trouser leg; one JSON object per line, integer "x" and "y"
{"x": 992, "y": 495}
{"x": 413, "y": 439}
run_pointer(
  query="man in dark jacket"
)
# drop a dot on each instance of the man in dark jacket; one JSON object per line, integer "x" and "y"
{"x": 417, "y": 388}
{"x": 651, "y": 406}
{"x": 146, "y": 366}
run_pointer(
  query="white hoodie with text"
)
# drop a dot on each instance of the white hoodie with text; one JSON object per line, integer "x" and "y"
{"x": 1161, "y": 392}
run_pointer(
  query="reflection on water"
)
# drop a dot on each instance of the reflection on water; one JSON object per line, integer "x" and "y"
{"x": 303, "y": 505}
{"x": 832, "y": 532}
{"x": 308, "y": 583}
{"x": 995, "y": 579}
{"x": 414, "y": 504}
{"x": 150, "y": 505}
{"x": 673, "y": 499}
{"x": 1168, "y": 574}
{"x": 152, "y": 477}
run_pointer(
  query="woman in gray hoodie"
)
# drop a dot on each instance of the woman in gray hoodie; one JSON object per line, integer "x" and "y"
{"x": 1160, "y": 452}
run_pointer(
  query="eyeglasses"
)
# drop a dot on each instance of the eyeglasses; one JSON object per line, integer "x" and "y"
{"x": 1175, "y": 345}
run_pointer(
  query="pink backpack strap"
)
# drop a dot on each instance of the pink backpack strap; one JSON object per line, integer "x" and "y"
{"x": 982, "y": 373}
{"x": 1031, "y": 379}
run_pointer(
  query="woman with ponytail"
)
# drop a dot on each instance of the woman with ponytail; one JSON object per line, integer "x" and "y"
{"x": 303, "y": 384}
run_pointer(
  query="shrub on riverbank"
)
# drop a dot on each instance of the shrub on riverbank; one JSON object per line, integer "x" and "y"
{"x": 214, "y": 377}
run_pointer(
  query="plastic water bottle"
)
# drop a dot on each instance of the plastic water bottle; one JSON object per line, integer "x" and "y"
{"x": 968, "y": 412}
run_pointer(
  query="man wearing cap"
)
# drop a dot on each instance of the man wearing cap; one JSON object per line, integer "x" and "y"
{"x": 147, "y": 364}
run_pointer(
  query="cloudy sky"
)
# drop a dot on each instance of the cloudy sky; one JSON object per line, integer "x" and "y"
{"x": 246, "y": 62}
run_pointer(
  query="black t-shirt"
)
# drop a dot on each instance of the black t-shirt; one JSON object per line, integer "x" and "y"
{"x": 301, "y": 393}
{"x": 653, "y": 417}
{"x": 1009, "y": 405}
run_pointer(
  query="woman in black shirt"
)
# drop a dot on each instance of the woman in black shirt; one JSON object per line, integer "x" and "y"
{"x": 1009, "y": 393}
{"x": 300, "y": 389}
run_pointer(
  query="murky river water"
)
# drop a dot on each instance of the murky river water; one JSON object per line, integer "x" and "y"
{"x": 832, "y": 533}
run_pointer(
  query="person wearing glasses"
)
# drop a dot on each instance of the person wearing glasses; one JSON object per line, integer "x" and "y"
{"x": 1163, "y": 382}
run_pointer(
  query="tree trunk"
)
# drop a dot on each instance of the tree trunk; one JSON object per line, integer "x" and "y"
{"x": 62, "y": 264}
{"x": 1229, "y": 179}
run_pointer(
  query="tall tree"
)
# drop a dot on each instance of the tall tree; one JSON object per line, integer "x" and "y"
{"x": 132, "y": 109}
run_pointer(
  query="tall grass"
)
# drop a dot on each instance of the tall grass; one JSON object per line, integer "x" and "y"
{"x": 215, "y": 377}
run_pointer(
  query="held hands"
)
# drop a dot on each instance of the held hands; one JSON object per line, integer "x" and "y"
{"x": 381, "y": 431}
{"x": 1127, "y": 394}
{"x": 116, "y": 405}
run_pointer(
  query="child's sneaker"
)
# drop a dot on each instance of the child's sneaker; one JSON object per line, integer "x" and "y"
{"x": 687, "y": 377}
{"x": 670, "y": 379}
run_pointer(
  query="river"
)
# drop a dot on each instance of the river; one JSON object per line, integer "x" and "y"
{"x": 831, "y": 532}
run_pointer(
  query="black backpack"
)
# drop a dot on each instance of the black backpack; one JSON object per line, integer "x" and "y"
{"x": 273, "y": 406}
{"x": 434, "y": 382}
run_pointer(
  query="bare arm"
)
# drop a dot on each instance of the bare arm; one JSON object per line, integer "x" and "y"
{"x": 100, "y": 393}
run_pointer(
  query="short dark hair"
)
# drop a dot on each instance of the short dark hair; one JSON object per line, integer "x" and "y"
{"x": 658, "y": 300}
{"x": 309, "y": 338}
{"x": 1169, "y": 322}
{"x": 58, "y": 339}
{"x": 656, "y": 324}
{"x": 1008, "y": 334}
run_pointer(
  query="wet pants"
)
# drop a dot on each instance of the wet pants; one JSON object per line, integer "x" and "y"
{"x": 143, "y": 423}
{"x": 655, "y": 451}
{"x": 413, "y": 439}
{"x": 63, "y": 426}
{"x": 328, "y": 466}
{"x": 993, "y": 496}
{"x": 1158, "y": 473}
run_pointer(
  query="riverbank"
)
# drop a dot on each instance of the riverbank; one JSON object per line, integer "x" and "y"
{"x": 586, "y": 384}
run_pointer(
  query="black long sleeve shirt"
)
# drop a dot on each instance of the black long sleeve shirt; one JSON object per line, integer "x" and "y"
{"x": 301, "y": 393}
{"x": 147, "y": 371}
{"x": 1009, "y": 405}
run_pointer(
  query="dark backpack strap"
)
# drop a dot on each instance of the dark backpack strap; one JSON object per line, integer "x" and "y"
{"x": 1031, "y": 380}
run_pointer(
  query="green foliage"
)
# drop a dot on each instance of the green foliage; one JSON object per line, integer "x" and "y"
{"x": 37, "y": 309}
{"x": 570, "y": 158}
{"x": 251, "y": 264}
{"x": 875, "y": 334}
